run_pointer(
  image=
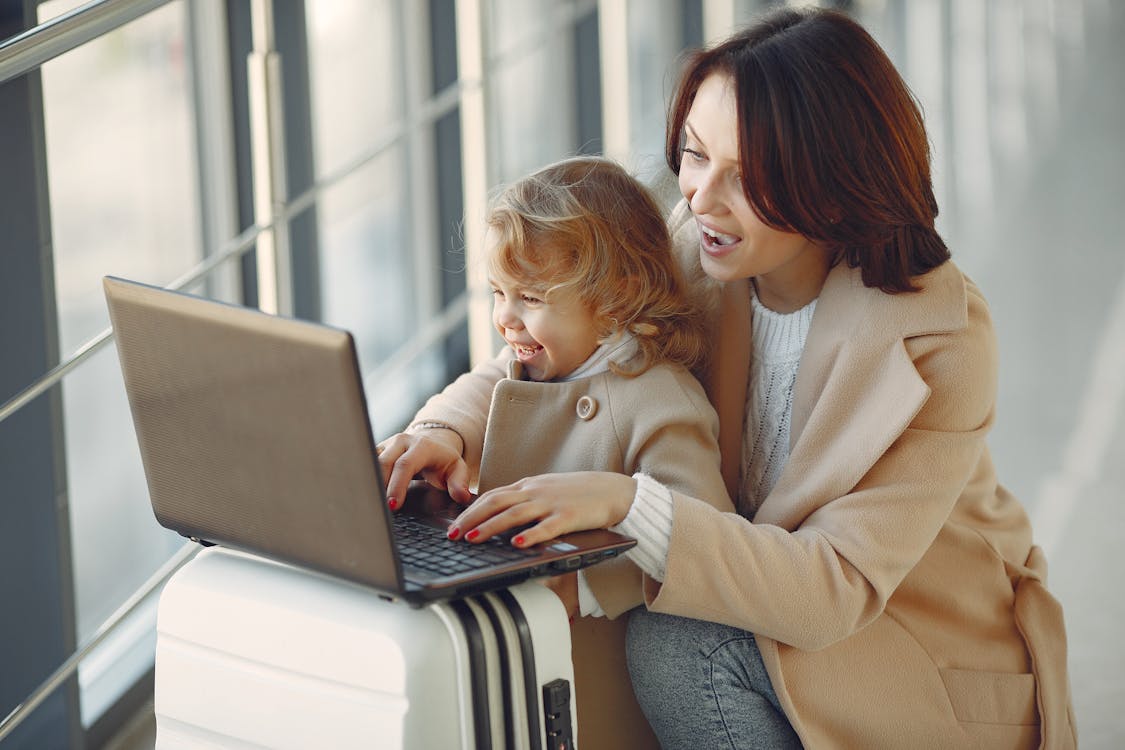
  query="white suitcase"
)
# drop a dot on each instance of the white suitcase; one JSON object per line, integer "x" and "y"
{"x": 253, "y": 653}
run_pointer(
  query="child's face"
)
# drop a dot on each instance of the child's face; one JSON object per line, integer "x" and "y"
{"x": 551, "y": 338}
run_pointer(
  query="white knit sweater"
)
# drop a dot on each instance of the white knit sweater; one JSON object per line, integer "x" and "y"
{"x": 778, "y": 340}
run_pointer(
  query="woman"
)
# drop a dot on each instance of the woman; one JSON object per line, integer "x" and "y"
{"x": 877, "y": 587}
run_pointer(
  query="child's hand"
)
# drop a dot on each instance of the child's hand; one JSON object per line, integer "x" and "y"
{"x": 434, "y": 454}
{"x": 549, "y": 505}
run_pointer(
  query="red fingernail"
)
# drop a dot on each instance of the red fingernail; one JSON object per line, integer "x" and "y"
{"x": 473, "y": 534}
{"x": 518, "y": 541}
{"x": 392, "y": 503}
{"x": 454, "y": 532}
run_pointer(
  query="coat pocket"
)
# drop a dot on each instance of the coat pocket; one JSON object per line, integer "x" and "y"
{"x": 991, "y": 697}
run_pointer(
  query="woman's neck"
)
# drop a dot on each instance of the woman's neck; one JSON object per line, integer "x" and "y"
{"x": 790, "y": 287}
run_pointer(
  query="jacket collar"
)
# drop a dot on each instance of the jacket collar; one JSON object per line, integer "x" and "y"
{"x": 857, "y": 388}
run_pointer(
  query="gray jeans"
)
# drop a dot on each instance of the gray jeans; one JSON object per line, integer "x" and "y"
{"x": 703, "y": 686}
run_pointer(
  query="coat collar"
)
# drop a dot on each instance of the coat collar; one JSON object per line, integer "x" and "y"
{"x": 856, "y": 390}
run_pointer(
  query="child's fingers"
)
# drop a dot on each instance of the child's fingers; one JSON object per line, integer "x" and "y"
{"x": 457, "y": 483}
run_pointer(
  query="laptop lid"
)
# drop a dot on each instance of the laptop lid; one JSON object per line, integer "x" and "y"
{"x": 254, "y": 434}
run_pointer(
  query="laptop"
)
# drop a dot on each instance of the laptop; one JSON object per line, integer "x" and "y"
{"x": 254, "y": 434}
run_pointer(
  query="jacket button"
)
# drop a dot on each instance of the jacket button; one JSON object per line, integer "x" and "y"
{"x": 586, "y": 408}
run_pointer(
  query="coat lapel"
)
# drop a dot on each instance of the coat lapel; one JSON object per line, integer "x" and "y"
{"x": 857, "y": 389}
{"x": 730, "y": 372}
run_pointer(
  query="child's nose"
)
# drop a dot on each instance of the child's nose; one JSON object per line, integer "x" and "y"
{"x": 506, "y": 315}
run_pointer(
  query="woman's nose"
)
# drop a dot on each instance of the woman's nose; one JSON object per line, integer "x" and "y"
{"x": 702, "y": 193}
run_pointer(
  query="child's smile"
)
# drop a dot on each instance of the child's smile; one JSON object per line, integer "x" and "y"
{"x": 552, "y": 334}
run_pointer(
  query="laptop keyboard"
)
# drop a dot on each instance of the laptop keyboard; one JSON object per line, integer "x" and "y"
{"x": 423, "y": 546}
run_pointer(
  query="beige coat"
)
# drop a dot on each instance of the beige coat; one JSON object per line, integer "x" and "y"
{"x": 891, "y": 581}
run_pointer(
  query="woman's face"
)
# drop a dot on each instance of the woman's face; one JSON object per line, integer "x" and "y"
{"x": 734, "y": 243}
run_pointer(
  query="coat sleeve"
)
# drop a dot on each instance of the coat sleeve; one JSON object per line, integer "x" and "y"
{"x": 829, "y": 570}
{"x": 463, "y": 405}
{"x": 673, "y": 439}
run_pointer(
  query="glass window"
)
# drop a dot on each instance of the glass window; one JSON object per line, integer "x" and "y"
{"x": 532, "y": 114}
{"x": 122, "y": 185}
{"x": 369, "y": 284}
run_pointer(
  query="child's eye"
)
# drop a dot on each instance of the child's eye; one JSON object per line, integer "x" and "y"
{"x": 530, "y": 300}
{"x": 497, "y": 293}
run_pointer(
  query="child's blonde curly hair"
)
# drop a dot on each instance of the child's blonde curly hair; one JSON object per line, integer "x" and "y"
{"x": 584, "y": 224}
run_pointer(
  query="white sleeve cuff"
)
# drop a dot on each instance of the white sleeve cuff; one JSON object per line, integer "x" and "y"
{"x": 587, "y": 603}
{"x": 649, "y": 521}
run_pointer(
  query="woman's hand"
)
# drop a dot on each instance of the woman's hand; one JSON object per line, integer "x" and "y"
{"x": 435, "y": 454}
{"x": 548, "y": 505}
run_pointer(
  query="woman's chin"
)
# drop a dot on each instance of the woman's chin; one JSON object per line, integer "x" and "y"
{"x": 719, "y": 269}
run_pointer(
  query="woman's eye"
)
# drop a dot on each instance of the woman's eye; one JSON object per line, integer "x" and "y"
{"x": 692, "y": 154}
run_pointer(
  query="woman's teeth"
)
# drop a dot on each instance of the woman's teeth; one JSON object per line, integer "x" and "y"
{"x": 718, "y": 238}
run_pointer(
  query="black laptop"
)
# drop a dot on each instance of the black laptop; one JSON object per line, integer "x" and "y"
{"x": 254, "y": 434}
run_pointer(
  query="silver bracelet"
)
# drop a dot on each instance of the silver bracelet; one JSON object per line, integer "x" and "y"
{"x": 429, "y": 426}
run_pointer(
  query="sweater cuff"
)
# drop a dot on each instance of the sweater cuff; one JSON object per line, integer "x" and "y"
{"x": 649, "y": 521}
{"x": 587, "y": 603}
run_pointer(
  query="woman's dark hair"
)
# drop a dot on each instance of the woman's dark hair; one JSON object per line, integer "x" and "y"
{"x": 832, "y": 144}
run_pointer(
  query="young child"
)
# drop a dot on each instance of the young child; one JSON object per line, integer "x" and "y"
{"x": 598, "y": 328}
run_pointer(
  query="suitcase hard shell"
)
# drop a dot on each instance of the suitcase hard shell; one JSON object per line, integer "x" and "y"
{"x": 255, "y": 653}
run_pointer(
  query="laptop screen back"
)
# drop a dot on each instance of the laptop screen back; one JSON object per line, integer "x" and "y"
{"x": 253, "y": 431}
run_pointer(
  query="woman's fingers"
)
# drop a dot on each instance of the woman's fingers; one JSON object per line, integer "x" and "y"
{"x": 496, "y": 512}
{"x": 547, "y": 505}
{"x": 457, "y": 482}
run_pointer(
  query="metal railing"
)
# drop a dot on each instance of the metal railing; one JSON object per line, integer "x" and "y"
{"x": 28, "y": 50}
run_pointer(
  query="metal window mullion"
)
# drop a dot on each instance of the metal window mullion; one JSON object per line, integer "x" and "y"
{"x": 476, "y": 168}
{"x": 267, "y": 149}
{"x": 414, "y": 60}
{"x": 217, "y": 182}
{"x": 613, "y": 46}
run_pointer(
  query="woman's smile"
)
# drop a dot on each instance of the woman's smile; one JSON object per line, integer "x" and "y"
{"x": 716, "y": 243}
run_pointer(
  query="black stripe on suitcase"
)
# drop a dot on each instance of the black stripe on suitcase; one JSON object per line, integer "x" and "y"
{"x": 478, "y": 674}
{"x": 505, "y": 670}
